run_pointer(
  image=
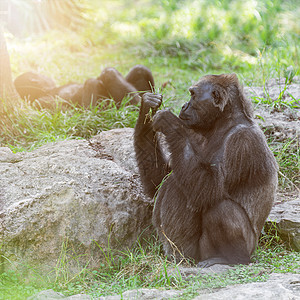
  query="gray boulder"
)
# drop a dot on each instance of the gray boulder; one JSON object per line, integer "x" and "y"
{"x": 286, "y": 217}
{"x": 281, "y": 126}
{"x": 71, "y": 197}
{"x": 278, "y": 286}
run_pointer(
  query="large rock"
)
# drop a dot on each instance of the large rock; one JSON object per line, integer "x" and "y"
{"x": 278, "y": 286}
{"x": 82, "y": 195}
{"x": 286, "y": 217}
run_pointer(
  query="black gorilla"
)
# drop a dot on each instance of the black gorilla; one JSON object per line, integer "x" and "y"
{"x": 220, "y": 181}
{"x": 110, "y": 84}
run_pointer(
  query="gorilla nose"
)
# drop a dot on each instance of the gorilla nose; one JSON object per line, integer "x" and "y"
{"x": 185, "y": 106}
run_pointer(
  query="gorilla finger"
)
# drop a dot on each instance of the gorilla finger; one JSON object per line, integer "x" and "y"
{"x": 153, "y": 103}
{"x": 151, "y": 96}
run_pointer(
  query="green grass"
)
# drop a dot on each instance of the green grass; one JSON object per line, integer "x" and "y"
{"x": 180, "y": 41}
{"x": 186, "y": 39}
{"x": 12, "y": 287}
{"x": 288, "y": 157}
{"x": 144, "y": 266}
{"x": 29, "y": 128}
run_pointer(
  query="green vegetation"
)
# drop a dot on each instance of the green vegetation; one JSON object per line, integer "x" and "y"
{"x": 145, "y": 266}
{"x": 30, "y": 128}
{"x": 288, "y": 157}
{"x": 179, "y": 41}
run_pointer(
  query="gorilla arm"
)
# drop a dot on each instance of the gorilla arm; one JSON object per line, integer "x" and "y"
{"x": 150, "y": 159}
{"x": 200, "y": 178}
{"x": 247, "y": 159}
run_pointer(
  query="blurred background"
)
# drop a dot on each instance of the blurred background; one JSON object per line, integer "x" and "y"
{"x": 179, "y": 40}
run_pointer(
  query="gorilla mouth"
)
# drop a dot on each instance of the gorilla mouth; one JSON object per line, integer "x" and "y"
{"x": 183, "y": 118}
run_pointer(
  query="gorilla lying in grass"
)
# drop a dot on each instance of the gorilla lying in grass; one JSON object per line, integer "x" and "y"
{"x": 109, "y": 85}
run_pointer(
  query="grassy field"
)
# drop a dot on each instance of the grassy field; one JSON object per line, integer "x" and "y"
{"x": 145, "y": 267}
{"x": 180, "y": 41}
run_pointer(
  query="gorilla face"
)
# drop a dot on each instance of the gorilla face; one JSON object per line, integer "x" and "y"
{"x": 201, "y": 112}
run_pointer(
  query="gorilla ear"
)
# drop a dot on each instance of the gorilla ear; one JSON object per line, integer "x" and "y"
{"x": 220, "y": 97}
{"x": 217, "y": 97}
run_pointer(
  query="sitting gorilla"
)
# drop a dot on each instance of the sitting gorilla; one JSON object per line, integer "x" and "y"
{"x": 110, "y": 84}
{"x": 217, "y": 188}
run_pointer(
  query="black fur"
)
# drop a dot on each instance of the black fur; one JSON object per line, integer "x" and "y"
{"x": 212, "y": 206}
{"x": 110, "y": 84}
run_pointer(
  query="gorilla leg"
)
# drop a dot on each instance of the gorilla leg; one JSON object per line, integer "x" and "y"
{"x": 117, "y": 87}
{"x": 68, "y": 93}
{"x": 224, "y": 239}
{"x": 71, "y": 92}
{"x": 93, "y": 90}
{"x": 141, "y": 78}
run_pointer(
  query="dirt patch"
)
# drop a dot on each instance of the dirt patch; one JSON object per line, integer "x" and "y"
{"x": 277, "y": 91}
{"x": 280, "y": 121}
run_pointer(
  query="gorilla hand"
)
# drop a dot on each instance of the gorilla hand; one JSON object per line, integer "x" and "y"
{"x": 150, "y": 101}
{"x": 165, "y": 121}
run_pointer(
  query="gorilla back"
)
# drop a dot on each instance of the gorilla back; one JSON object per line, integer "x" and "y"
{"x": 214, "y": 203}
